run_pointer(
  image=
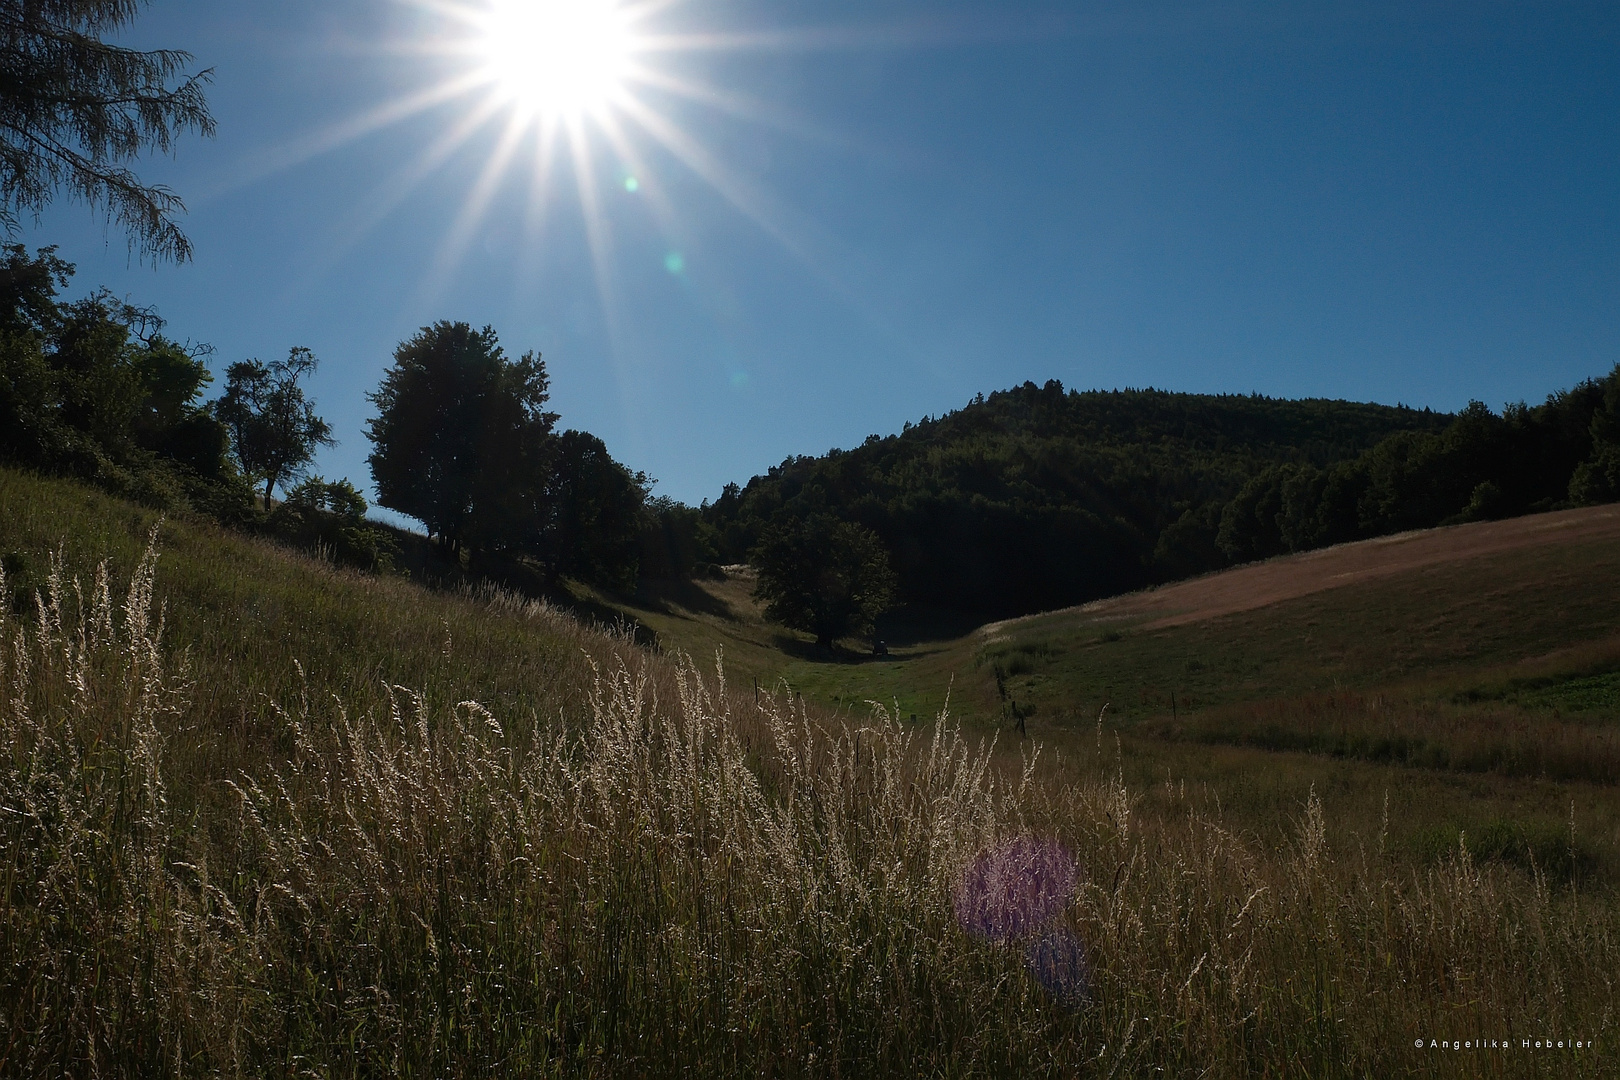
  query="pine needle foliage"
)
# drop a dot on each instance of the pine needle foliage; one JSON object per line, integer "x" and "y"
{"x": 75, "y": 110}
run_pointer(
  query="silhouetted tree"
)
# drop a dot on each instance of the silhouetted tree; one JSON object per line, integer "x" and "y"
{"x": 462, "y": 440}
{"x": 273, "y": 426}
{"x": 597, "y": 513}
{"x": 828, "y": 577}
{"x": 75, "y": 110}
{"x": 93, "y": 388}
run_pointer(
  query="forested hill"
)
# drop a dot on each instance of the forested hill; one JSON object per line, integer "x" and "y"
{"x": 1037, "y": 497}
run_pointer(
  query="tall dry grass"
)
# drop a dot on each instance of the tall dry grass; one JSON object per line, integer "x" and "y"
{"x": 686, "y": 882}
{"x": 1408, "y": 729}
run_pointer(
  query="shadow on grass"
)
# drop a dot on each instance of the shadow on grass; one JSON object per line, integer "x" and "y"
{"x": 428, "y": 564}
{"x": 840, "y": 653}
{"x": 593, "y": 612}
{"x": 666, "y": 595}
{"x": 1533, "y": 844}
{"x": 916, "y": 624}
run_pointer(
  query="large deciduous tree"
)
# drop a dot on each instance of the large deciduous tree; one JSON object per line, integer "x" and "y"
{"x": 828, "y": 577}
{"x": 462, "y": 440}
{"x": 598, "y": 509}
{"x": 273, "y": 425}
{"x": 75, "y": 110}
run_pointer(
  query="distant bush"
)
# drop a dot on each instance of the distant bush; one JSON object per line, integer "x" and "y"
{"x": 330, "y": 517}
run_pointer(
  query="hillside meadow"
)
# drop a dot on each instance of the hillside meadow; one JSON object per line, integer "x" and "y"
{"x": 263, "y": 816}
{"x": 1470, "y": 674}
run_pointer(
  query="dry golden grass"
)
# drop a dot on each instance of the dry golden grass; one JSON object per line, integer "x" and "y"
{"x": 672, "y": 878}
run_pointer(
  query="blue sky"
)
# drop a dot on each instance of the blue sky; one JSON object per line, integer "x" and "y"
{"x": 908, "y": 202}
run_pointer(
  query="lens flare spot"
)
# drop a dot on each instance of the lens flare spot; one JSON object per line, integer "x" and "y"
{"x": 1012, "y": 889}
{"x": 739, "y": 378}
{"x": 632, "y": 185}
{"x": 1057, "y": 961}
{"x": 675, "y": 262}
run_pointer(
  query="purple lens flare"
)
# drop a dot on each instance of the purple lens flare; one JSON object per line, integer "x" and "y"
{"x": 1010, "y": 890}
{"x": 1057, "y": 961}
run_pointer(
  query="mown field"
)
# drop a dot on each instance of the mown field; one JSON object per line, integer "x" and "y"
{"x": 260, "y": 816}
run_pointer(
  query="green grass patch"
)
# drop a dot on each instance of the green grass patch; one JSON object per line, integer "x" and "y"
{"x": 1535, "y": 845}
{"x": 1597, "y": 693}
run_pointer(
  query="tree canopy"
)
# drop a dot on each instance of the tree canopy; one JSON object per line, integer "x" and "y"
{"x": 93, "y": 388}
{"x": 1036, "y": 498}
{"x": 273, "y": 424}
{"x": 329, "y": 516}
{"x": 597, "y": 511}
{"x": 827, "y": 577}
{"x": 1483, "y": 465}
{"x": 463, "y": 442}
{"x": 75, "y": 110}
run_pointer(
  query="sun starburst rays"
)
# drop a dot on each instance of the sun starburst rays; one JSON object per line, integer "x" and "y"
{"x": 594, "y": 89}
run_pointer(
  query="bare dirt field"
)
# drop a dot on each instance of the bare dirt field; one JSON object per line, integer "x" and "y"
{"x": 1285, "y": 578}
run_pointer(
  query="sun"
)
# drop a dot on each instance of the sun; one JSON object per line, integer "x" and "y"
{"x": 607, "y": 93}
{"x": 557, "y": 59}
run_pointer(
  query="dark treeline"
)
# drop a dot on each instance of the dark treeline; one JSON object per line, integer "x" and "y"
{"x": 92, "y": 388}
{"x": 1035, "y": 498}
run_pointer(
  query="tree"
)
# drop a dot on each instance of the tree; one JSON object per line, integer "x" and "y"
{"x": 92, "y": 387}
{"x": 462, "y": 441}
{"x": 74, "y": 110}
{"x": 676, "y": 541}
{"x": 828, "y": 577}
{"x": 598, "y": 509}
{"x": 1597, "y": 480}
{"x": 273, "y": 426}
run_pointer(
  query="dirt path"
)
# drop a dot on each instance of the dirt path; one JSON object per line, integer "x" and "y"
{"x": 1248, "y": 587}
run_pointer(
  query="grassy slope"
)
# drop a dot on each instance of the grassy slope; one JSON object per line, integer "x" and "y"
{"x": 1460, "y": 623}
{"x": 1480, "y": 695}
{"x": 416, "y": 908}
{"x": 259, "y": 624}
